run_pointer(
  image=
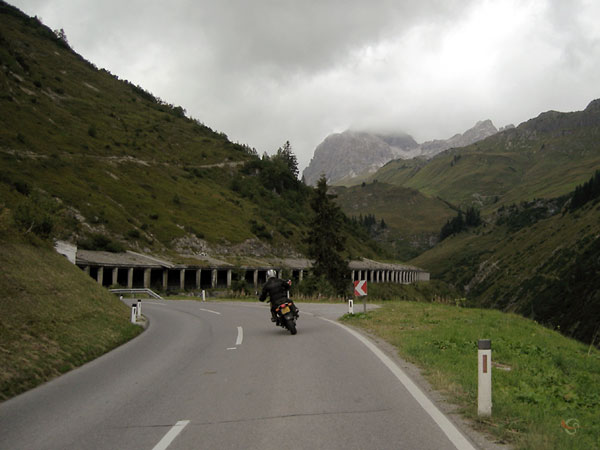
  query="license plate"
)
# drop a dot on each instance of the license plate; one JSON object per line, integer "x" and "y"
{"x": 285, "y": 310}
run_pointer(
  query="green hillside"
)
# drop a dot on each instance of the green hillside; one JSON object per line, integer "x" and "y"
{"x": 544, "y": 157}
{"x": 93, "y": 159}
{"x": 413, "y": 219}
{"x": 545, "y": 268}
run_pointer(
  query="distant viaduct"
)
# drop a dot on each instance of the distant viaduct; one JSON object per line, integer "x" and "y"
{"x": 134, "y": 270}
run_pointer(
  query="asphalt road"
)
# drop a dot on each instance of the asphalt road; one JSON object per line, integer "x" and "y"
{"x": 222, "y": 376}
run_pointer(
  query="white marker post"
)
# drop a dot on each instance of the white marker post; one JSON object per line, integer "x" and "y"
{"x": 203, "y": 295}
{"x": 350, "y": 306}
{"x": 139, "y": 309}
{"x": 133, "y": 313}
{"x": 484, "y": 370}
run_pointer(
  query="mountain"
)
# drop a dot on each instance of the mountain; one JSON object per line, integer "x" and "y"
{"x": 480, "y": 131}
{"x": 544, "y": 157}
{"x": 537, "y": 252}
{"x": 92, "y": 159}
{"x": 353, "y": 152}
{"x": 346, "y": 158}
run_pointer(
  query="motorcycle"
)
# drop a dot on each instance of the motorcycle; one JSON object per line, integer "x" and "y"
{"x": 286, "y": 316}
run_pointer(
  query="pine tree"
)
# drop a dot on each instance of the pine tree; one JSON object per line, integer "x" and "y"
{"x": 286, "y": 154}
{"x": 325, "y": 241}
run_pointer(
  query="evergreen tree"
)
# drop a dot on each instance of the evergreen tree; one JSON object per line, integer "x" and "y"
{"x": 586, "y": 192}
{"x": 286, "y": 155}
{"x": 473, "y": 217}
{"x": 325, "y": 241}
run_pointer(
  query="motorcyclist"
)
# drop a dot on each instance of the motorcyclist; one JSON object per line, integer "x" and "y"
{"x": 277, "y": 289}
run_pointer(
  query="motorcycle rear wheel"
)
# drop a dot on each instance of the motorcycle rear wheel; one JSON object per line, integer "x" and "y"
{"x": 291, "y": 326}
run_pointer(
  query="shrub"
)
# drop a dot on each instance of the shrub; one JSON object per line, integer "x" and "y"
{"x": 22, "y": 187}
{"x": 133, "y": 234}
{"x": 99, "y": 242}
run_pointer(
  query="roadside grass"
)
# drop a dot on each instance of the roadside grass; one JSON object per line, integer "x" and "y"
{"x": 542, "y": 382}
{"x": 53, "y": 317}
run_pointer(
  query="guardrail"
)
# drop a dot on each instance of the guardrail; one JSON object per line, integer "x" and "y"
{"x": 147, "y": 291}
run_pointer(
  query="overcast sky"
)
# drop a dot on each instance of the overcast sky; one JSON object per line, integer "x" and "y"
{"x": 268, "y": 71}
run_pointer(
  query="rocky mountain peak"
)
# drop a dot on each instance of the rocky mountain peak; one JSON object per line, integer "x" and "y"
{"x": 352, "y": 152}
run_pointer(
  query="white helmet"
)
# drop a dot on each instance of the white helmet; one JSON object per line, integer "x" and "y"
{"x": 271, "y": 273}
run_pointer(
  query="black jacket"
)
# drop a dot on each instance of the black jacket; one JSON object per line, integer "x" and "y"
{"x": 275, "y": 288}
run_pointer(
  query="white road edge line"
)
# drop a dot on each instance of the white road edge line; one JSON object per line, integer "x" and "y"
{"x": 455, "y": 436}
{"x": 208, "y": 310}
{"x": 240, "y": 336}
{"x": 171, "y": 435}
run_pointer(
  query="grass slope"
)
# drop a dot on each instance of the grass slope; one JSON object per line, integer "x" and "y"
{"x": 413, "y": 219}
{"x": 53, "y": 317}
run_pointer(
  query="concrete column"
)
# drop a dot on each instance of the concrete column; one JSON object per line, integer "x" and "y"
{"x": 256, "y": 279}
{"x": 198, "y": 278}
{"x": 228, "y": 278}
{"x": 301, "y": 275}
{"x": 130, "y": 277}
{"x": 182, "y": 279}
{"x": 100, "y": 277}
{"x": 115, "y": 276}
{"x": 372, "y": 276}
{"x": 86, "y": 269}
{"x": 147, "y": 273}
{"x": 165, "y": 279}
{"x": 214, "y": 279}
{"x": 352, "y": 275}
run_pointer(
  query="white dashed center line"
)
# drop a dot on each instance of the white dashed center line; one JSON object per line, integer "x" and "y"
{"x": 171, "y": 435}
{"x": 239, "y": 340}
